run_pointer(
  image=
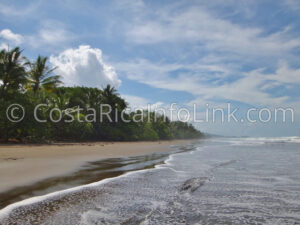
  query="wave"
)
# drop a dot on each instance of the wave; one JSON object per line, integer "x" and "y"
{"x": 251, "y": 141}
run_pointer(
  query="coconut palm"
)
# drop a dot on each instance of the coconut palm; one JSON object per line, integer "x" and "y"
{"x": 109, "y": 92}
{"x": 39, "y": 76}
{"x": 12, "y": 70}
{"x": 111, "y": 97}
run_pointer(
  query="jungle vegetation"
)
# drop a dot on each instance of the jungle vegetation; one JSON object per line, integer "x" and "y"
{"x": 33, "y": 83}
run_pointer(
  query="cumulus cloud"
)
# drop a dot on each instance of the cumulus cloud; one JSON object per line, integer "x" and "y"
{"x": 84, "y": 66}
{"x": 8, "y": 37}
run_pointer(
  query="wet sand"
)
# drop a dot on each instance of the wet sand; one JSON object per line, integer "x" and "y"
{"x": 89, "y": 173}
{"x": 24, "y": 165}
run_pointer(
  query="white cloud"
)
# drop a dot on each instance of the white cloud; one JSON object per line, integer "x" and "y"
{"x": 222, "y": 49}
{"x": 84, "y": 66}
{"x": 136, "y": 102}
{"x": 10, "y": 37}
{"x": 248, "y": 88}
{"x": 285, "y": 74}
{"x": 11, "y": 11}
{"x": 51, "y": 33}
{"x": 3, "y": 46}
{"x": 199, "y": 27}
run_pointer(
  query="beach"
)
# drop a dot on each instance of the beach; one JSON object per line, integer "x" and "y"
{"x": 209, "y": 181}
{"x": 23, "y": 165}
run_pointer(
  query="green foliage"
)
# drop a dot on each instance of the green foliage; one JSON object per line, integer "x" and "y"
{"x": 40, "y": 76}
{"x": 148, "y": 133}
{"x": 181, "y": 130}
{"x": 33, "y": 84}
{"x": 12, "y": 72}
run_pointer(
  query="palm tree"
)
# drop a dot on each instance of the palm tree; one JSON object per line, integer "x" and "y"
{"x": 12, "y": 70}
{"x": 109, "y": 92}
{"x": 39, "y": 76}
{"x": 111, "y": 97}
{"x": 93, "y": 97}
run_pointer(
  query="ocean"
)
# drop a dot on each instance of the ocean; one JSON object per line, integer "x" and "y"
{"x": 210, "y": 181}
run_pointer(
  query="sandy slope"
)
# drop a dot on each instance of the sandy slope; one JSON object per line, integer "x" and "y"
{"x": 25, "y": 164}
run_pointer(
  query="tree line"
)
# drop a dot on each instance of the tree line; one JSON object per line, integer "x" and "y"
{"x": 33, "y": 83}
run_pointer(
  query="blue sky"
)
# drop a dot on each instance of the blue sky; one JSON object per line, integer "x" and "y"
{"x": 242, "y": 52}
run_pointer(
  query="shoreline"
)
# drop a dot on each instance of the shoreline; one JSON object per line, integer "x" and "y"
{"x": 24, "y": 165}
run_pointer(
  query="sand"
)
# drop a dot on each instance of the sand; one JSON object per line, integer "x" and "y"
{"x": 22, "y": 165}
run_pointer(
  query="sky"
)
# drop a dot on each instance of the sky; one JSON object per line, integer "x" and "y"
{"x": 242, "y": 52}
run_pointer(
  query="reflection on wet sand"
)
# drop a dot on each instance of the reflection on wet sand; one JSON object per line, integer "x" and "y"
{"x": 91, "y": 172}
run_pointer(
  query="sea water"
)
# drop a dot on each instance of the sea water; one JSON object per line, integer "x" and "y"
{"x": 213, "y": 181}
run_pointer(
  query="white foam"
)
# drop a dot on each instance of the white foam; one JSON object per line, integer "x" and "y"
{"x": 6, "y": 211}
{"x": 259, "y": 140}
